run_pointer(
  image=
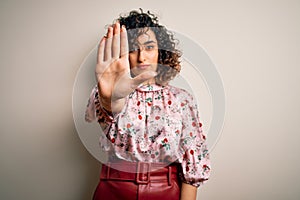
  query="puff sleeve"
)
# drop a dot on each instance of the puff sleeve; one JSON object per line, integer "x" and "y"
{"x": 195, "y": 157}
{"x": 94, "y": 111}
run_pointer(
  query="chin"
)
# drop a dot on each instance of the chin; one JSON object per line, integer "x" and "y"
{"x": 135, "y": 72}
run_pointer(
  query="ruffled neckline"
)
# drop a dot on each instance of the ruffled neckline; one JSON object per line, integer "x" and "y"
{"x": 150, "y": 87}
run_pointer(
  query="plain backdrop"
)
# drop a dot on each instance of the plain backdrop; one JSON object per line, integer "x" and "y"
{"x": 255, "y": 45}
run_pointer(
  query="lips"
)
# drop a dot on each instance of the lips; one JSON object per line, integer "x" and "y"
{"x": 143, "y": 66}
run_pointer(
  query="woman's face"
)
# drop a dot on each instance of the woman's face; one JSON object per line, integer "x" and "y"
{"x": 144, "y": 56}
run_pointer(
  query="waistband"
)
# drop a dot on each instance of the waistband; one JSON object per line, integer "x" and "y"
{"x": 139, "y": 172}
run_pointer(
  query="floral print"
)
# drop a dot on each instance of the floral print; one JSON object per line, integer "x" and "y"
{"x": 157, "y": 124}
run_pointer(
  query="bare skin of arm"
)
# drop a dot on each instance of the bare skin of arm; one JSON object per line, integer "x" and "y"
{"x": 113, "y": 70}
{"x": 188, "y": 192}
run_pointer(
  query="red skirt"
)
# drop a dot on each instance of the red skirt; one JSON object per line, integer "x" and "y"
{"x": 138, "y": 180}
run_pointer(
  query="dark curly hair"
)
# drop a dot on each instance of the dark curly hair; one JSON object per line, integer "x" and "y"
{"x": 139, "y": 22}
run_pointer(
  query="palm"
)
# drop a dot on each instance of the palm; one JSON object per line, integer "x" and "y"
{"x": 108, "y": 79}
{"x": 113, "y": 69}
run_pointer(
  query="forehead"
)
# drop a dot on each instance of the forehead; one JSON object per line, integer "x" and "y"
{"x": 147, "y": 36}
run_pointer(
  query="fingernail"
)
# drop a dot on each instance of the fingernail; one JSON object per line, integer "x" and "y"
{"x": 123, "y": 28}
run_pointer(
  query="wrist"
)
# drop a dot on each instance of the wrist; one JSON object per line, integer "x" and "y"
{"x": 112, "y": 107}
{"x": 105, "y": 104}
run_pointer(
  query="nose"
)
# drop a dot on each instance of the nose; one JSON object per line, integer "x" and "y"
{"x": 141, "y": 55}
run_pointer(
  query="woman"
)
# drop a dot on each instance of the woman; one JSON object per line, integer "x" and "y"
{"x": 152, "y": 131}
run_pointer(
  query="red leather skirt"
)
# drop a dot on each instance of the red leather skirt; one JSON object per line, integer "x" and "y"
{"x": 138, "y": 180}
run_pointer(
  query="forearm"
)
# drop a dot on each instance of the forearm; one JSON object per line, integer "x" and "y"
{"x": 188, "y": 192}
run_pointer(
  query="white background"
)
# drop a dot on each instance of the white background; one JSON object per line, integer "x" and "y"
{"x": 255, "y": 45}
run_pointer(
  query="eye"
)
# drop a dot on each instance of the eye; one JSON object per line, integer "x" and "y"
{"x": 149, "y": 47}
{"x": 133, "y": 50}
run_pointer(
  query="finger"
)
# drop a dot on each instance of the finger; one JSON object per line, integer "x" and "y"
{"x": 116, "y": 41}
{"x": 124, "y": 42}
{"x": 117, "y": 28}
{"x": 108, "y": 41}
{"x": 142, "y": 78}
{"x": 100, "y": 52}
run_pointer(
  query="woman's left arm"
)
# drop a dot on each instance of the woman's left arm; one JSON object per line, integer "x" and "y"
{"x": 195, "y": 162}
{"x": 188, "y": 192}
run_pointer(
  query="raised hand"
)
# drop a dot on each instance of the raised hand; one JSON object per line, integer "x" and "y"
{"x": 113, "y": 69}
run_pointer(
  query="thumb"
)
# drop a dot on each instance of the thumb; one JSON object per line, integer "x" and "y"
{"x": 143, "y": 77}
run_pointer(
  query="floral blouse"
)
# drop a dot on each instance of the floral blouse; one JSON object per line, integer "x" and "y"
{"x": 157, "y": 124}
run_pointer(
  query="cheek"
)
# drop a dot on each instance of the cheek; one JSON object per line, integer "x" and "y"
{"x": 153, "y": 57}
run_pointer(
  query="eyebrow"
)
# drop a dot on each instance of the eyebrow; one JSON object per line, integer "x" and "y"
{"x": 149, "y": 42}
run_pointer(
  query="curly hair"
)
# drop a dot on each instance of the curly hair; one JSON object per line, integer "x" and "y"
{"x": 138, "y": 22}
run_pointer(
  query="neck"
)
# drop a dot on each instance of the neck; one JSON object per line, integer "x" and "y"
{"x": 149, "y": 82}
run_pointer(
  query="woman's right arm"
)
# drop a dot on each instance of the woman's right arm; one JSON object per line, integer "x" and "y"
{"x": 113, "y": 70}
